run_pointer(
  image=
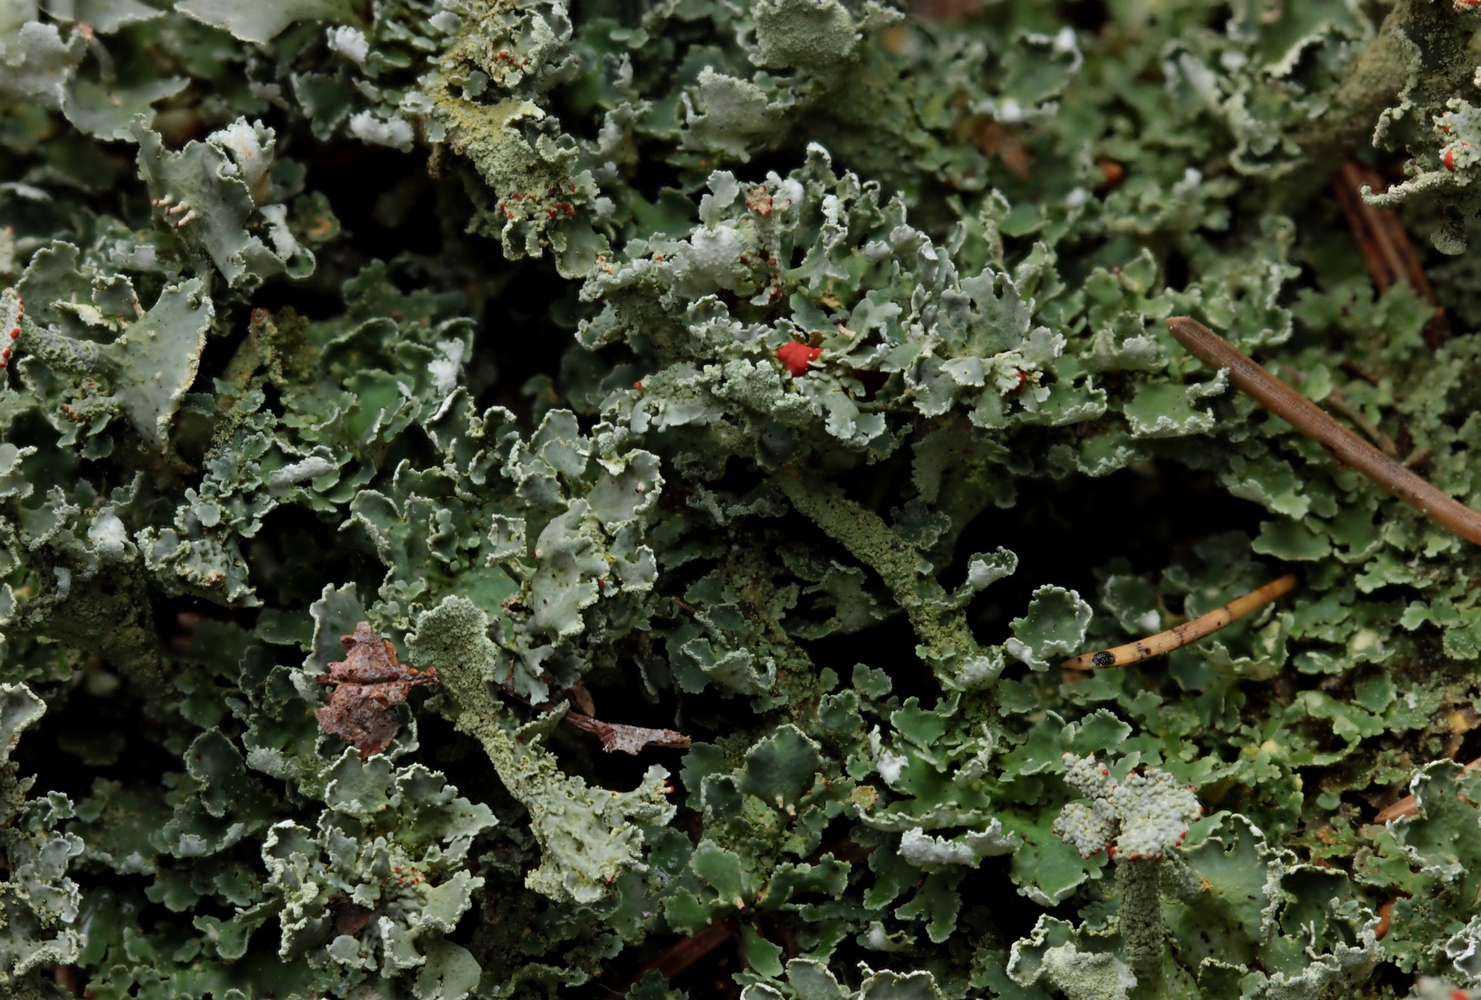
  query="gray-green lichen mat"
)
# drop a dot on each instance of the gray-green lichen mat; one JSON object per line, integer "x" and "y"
{"x": 524, "y": 499}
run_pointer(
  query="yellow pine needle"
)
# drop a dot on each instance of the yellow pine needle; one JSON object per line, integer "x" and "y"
{"x": 1189, "y": 631}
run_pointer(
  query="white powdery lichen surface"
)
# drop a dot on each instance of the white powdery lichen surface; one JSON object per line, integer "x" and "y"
{"x": 1141, "y": 815}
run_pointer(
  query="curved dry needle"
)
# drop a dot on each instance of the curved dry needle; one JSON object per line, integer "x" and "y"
{"x": 1189, "y": 631}
{"x": 1311, "y": 420}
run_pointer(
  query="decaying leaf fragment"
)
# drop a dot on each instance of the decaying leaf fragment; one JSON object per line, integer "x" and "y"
{"x": 628, "y": 739}
{"x": 369, "y": 681}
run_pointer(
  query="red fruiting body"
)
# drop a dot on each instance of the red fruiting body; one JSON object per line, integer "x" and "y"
{"x": 1105, "y": 770}
{"x": 1450, "y": 160}
{"x": 15, "y": 332}
{"x": 795, "y": 357}
{"x": 1111, "y": 850}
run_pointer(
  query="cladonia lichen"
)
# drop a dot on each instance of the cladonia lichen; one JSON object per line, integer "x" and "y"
{"x": 510, "y": 498}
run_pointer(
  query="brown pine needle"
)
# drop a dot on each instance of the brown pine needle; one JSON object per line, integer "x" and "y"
{"x": 1189, "y": 631}
{"x": 682, "y": 954}
{"x": 1311, "y": 420}
{"x": 1383, "y": 243}
{"x": 1409, "y": 805}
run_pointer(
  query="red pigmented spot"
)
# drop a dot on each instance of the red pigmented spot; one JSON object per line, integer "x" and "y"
{"x": 759, "y": 201}
{"x": 1105, "y": 770}
{"x": 1111, "y": 850}
{"x": 1450, "y": 160}
{"x": 1460, "y": 995}
{"x": 15, "y": 332}
{"x": 796, "y": 356}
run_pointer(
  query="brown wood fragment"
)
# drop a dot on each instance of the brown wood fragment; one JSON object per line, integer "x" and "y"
{"x": 624, "y": 738}
{"x": 369, "y": 681}
{"x": 1308, "y": 418}
{"x": 1384, "y": 244}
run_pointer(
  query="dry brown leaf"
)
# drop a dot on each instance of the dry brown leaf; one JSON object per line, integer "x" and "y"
{"x": 349, "y": 918}
{"x": 368, "y": 682}
{"x": 624, "y": 738}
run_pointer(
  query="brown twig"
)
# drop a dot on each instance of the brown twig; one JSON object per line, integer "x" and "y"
{"x": 1384, "y": 244}
{"x": 1311, "y": 420}
{"x": 1189, "y": 631}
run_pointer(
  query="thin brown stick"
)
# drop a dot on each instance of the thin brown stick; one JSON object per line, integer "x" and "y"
{"x": 1311, "y": 420}
{"x": 1189, "y": 631}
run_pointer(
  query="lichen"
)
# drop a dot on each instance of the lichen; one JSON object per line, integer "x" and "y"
{"x": 775, "y": 392}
